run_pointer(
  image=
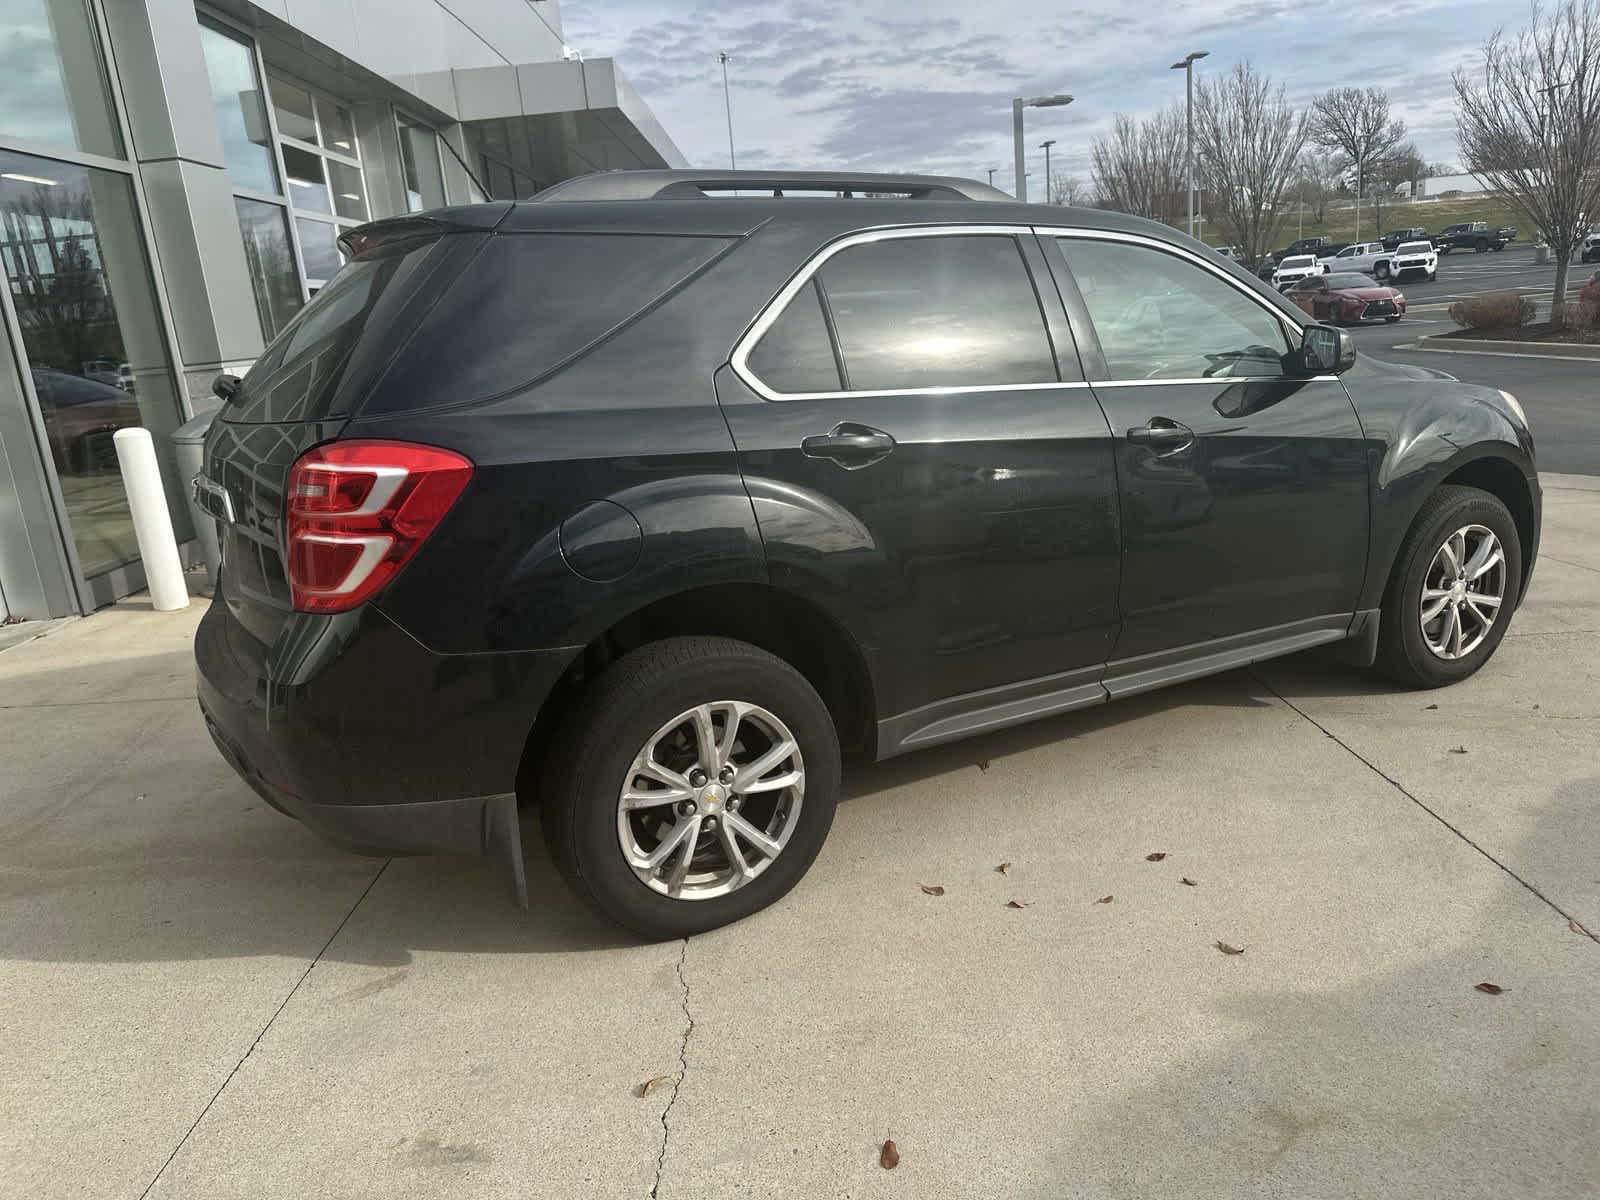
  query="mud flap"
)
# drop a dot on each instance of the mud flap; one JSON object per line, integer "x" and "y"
{"x": 502, "y": 838}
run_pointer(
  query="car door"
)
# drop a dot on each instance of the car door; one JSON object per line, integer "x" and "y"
{"x": 925, "y": 458}
{"x": 1243, "y": 487}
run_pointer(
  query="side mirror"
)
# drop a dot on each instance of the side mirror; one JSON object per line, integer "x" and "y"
{"x": 225, "y": 387}
{"x": 1327, "y": 350}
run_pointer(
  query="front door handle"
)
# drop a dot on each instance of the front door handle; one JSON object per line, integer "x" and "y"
{"x": 1162, "y": 434}
{"x": 850, "y": 445}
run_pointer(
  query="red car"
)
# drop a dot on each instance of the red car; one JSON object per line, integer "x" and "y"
{"x": 1346, "y": 299}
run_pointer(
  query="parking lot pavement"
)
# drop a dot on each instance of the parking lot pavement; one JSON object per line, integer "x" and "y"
{"x": 201, "y": 1000}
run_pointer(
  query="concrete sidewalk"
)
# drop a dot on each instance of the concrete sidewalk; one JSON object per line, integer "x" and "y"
{"x": 198, "y": 999}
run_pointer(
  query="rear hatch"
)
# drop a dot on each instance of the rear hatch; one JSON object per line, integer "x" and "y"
{"x": 306, "y": 385}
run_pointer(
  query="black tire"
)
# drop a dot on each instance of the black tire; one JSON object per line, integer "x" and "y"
{"x": 1433, "y": 277}
{"x": 1481, "y": 244}
{"x": 1390, "y": 320}
{"x": 616, "y": 716}
{"x": 1403, "y": 655}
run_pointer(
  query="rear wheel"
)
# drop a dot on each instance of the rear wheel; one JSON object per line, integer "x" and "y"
{"x": 693, "y": 784}
{"x": 1453, "y": 589}
{"x": 1482, "y": 244}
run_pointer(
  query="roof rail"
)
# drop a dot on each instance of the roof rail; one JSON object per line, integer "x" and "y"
{"x": 674, "y": 185}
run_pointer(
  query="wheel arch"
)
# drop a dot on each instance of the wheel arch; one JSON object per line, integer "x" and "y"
{"x": 789, "y": 626}
{"x": 1502, "y": 479}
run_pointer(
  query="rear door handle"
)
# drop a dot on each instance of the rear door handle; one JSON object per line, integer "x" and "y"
{"x": 850, "y": 445}
{"x": 1162, "y": 433}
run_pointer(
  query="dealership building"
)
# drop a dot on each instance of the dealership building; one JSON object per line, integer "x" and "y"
{"x": 173, "y": 182}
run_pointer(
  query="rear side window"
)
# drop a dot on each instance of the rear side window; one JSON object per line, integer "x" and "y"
{"x": 796, "y": 355}
{"x": 529, "y": 304}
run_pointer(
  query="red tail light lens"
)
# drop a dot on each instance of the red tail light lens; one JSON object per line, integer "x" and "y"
{"x": 357, "y": 513}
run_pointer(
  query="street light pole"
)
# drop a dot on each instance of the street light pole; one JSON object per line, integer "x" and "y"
{"x": 1045, "y": 145}
{"x": 1017, "y": 105}
{"x": 991, "y": 176}
{"x": 1187, "y": 67}
{"x": 727, "y": 104}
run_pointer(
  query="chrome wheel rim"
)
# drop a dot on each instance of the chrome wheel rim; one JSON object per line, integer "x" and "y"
{"x": 1462, "y": 592}
{"x": 711, "y": 800}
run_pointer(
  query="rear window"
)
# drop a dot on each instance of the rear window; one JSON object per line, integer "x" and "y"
{"x": 298, "y": 377}
{"x": 529, "y": 304}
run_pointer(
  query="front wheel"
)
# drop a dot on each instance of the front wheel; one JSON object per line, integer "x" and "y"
{"x": 692, "y": 785}
{"x": 1452, "y": 591}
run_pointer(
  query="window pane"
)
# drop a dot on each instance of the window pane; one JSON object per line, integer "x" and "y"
{"x": 92, "y": 332}
{"x": 307, "y": 187}
{"x": 419, "y": 156}
{"x": 796, "y": 354}
{"x": 291, "y": 105}
{"x": 338, "y": 129}
{"x": 270, "y": 256}
{"x": 319, "y": 248}
{"x": 349, "y": 200}
{"x": 1160, "y": 317}
{"x": 241, "y": 113}
{"x": 53, "y": 86}
{"x": 937, "y": 312}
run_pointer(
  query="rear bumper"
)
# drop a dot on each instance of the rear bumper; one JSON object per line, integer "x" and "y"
{"x": 368, "y": 738}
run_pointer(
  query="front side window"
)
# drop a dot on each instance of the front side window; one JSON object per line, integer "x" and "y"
{"x": 915, "y": 313}
{"x": 1159, "y": 316}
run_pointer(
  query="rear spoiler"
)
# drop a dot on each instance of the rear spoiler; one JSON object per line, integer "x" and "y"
{"x": 391, "y": 230}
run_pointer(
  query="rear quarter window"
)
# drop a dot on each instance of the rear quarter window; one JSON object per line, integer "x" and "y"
{"x": 530, "y": 304}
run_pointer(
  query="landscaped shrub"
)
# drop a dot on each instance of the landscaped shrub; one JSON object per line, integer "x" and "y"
{"x": 1584, "y": 314}
{"x": 1504, "y": 310}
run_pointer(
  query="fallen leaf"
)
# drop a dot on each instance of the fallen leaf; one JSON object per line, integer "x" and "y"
{"x": 983, "y": 765}
{"x": 1458, "y": 750}
{"x": 1003, "y": 868}
{"x": 1490, "y": 989}
{"x": 1018, "y": 903}
{"x": 1576, "y": 928}
{"x": 1105, "y": 900}
{"x": 932, "y": 889}
{"x": 650, "y": 1085}
{"x": 1187, "y": 882}
{"x": 889, "y": 1156}
{"x": 1156, "y": 857}
{"x": 1227, "y": 949}
{"x": 1430, "y": 708}
{"x": 1535, "y": 708}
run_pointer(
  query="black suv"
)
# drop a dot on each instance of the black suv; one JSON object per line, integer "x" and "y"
{"x": 638, "y": 503}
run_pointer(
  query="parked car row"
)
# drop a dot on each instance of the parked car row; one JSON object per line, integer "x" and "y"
{"x": 1413, "y": 244}
{"x": 1369, "y": 258}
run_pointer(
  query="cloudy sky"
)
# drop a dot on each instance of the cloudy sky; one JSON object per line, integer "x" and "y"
{"x": 926, "y": 85}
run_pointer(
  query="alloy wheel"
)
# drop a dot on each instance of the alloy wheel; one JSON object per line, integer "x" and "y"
{"x": 1463, "y": 591}
{"x": 710, "y": 800}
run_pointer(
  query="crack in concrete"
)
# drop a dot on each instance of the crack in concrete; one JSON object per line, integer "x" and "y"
{"x": 1401, "y": 788}
{"x": 371, "y": 883}
{"x": 683, "y": 1072}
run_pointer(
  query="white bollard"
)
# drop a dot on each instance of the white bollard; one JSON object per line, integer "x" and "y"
{"x": 152, "y": 523}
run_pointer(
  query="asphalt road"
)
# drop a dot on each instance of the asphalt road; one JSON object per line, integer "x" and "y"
{"x": 1561, "y": 396}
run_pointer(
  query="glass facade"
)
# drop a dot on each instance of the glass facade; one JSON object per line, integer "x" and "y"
{"x": 53, "y": 89}
{"x": 322, "y": 163}
{"x": 241, "y": 111}
{"x": 269, "y": 255}
{"x": 419, "y": 159}
{"x": 85, "y": 304}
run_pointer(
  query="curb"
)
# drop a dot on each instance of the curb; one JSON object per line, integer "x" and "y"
{"x": 1552, "y": 480}
{"x": 1455, "y": 345}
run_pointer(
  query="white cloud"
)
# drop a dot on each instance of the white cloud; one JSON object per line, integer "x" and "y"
{"x": 824, "y": 83}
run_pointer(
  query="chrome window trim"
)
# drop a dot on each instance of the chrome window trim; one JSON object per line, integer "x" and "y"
{"x": 739, "y": 360}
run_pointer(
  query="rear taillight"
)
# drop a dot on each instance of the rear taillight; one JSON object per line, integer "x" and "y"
{"x": 358, "y": 511}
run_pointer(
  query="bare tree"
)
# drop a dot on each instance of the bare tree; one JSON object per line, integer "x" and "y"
{"x": 1069, "y": 189}
{"x": 1401, "y": 166}
{"x": 1529, "y": 126}
{"x": 1138, "y": 168}
{"x": 1247, "y": 142}
{"x": 1355, "y": 122}
{"x": 1316, "y": 181}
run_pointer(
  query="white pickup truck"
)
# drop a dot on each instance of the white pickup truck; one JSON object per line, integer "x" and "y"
{"x": 1369, "y": 258}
